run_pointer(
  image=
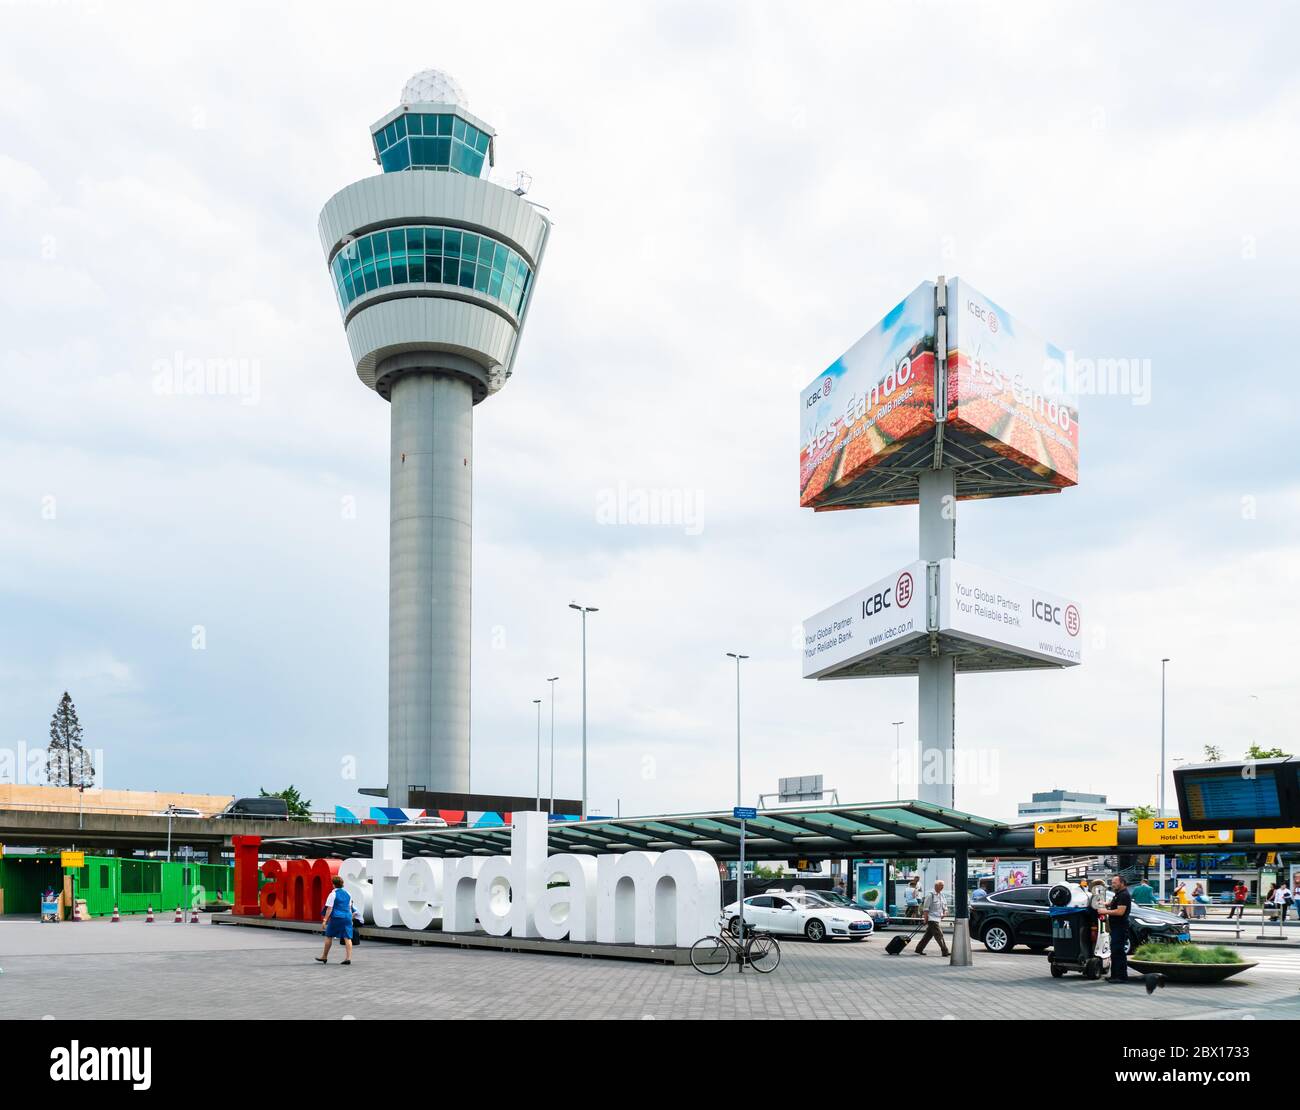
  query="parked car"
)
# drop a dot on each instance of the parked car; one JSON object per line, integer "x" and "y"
{"x": 879, "y": 918}
{"x": 795, "y": 915}
{"x": 1020, "y": 915}
{"x": 259, "y": 809}
{"x": 428, "y": 821}
{"x": 179, "y": 811}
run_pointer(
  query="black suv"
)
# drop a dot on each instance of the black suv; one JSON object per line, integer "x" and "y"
{"x": 1019, "y": 915}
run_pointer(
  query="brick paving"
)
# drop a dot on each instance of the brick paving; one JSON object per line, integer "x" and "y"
{"x": 132, "y": 970}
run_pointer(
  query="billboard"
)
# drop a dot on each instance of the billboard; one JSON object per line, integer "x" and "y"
{"x": 887, "y": 613}
{"x": 871, "y": 400}
{"x": 1010, "y": 873}
{"x": 979, "y": 605}
{"x": 869, "y": 887}
{"x": 1005, "y": 387}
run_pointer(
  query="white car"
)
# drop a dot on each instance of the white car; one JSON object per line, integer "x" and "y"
{"x": 428, "y": 821}
{"x": 794, "y": 915}
{"x": 178, "y": 811}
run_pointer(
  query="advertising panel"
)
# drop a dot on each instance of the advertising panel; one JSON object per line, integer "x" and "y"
{"x": 985, "y": 607}
{"x": 1008, "y": 873}
{"x": 1006, "y": 387}
{"x": 887, "y": 613}
{"x": 871, "y": 400}
{"x": 870, "y": 886}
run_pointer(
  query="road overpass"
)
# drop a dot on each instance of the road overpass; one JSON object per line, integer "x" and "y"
{"x": 128, "y": 832}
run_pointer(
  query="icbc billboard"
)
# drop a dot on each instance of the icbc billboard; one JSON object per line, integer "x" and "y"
{"x": 871, "y": 400}
{"x": 1005, "y": 388}
{"x": 949, "y": 382}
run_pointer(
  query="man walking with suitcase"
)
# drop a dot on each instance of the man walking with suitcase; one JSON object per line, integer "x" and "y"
{"x": 933, "y": 909}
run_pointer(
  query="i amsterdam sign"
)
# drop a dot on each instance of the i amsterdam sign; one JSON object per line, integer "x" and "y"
{"x": 649, "y": 898}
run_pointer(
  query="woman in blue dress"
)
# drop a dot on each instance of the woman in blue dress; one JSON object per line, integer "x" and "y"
{"x": 337, "y": 919}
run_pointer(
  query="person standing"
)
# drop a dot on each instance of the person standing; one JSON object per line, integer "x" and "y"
{"x": 933, "y": 910}
{"x": 1283, "y": 898}
{"x": 1117, "y": 914}
{"x": 336, "y": 917}
{"x": 912, "y": 898}
{"x": 1238, "y": 906}
{"x": 1142, "y": 893}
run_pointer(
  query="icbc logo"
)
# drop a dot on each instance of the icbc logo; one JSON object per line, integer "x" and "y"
{"x": 993, "y": 321}
{"x": 903, "y": 589}
{"x": 826, "y": 387}
{"x": 1071, "y": 620}
{"x": 1046, "y": 611}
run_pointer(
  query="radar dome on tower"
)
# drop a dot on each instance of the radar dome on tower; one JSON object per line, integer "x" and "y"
{"x": 432, "y": 86}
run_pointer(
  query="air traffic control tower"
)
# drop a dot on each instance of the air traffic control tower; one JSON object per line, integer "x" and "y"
{"x": 434, "y": 267}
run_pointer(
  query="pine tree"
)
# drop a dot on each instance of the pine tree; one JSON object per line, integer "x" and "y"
{"x": 67, "y": 762}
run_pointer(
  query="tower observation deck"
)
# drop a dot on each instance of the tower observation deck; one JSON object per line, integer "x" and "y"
{"x": 433, "y": 266}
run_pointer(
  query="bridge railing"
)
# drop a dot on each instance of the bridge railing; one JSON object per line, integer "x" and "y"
{"x": 324, "y": 816}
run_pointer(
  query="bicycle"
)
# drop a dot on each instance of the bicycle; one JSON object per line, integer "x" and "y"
{"x": 712, "y": 955}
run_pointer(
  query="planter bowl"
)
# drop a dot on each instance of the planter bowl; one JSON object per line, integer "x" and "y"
{"x": 1191, "y": 973}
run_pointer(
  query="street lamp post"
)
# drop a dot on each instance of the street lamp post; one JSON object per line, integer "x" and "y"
{"x": 898, "y": 765}
{"x": 740, "y": 862}
{"x": 584, "y": 610}
{"x": 737, "y": 657}
{"x": 1160, "y": 803}
{"x": 538, "y": 702}
{"x": 553, "y": 681}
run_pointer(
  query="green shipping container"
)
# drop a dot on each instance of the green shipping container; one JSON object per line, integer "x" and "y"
{"x": 132, "y": 884}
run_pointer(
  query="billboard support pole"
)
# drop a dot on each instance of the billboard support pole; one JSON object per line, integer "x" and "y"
{"x": 936, "y": 674}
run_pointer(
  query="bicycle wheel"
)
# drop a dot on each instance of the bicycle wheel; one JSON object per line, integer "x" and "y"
{"x": 764, "y": 954}
{"x": 710, "y": 955}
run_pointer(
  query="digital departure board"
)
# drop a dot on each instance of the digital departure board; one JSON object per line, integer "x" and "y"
{"x": 1256, "y": 794}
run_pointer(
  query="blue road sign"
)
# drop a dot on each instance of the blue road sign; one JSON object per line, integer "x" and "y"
{"x": 744, "y": 813}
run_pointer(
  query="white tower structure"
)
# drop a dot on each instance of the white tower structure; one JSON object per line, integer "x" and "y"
{"x": 434, "y": 267}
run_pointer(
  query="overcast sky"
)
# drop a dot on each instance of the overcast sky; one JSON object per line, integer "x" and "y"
{"x": 739, "y": 191}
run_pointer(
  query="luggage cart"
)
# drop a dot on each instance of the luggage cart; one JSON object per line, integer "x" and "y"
{"x": 1080, "y": 941}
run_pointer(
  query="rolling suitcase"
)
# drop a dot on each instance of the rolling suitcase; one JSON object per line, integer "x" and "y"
{"x": 897, "y": 944}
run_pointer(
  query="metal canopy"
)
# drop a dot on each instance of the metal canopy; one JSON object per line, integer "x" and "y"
{"x": 981, "y": 472}
{"x": 969, "y": 657}
{"x": 898, "y": 828}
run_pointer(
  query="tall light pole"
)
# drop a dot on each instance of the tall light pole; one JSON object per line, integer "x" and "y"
{"x": 538, "y": 702}
{"x": 584, "y": 610}
{"x": 898, "y": 766}
{"x": 553, "y": 681}
{"x": 1160, "y": 804}
{"x": 737, "y": 657}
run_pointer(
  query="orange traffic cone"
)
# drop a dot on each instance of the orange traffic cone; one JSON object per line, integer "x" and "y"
{"x": 180, "y": 917}
{"x": 148, "y": 917}
{"x": 116, "y": 916}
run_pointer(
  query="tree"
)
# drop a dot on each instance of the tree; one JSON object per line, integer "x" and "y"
{"x": 1142, "y": 813}
{"x": 299, "y": 806}
{"x": 1213, "y": 753}
{"x": 67, "y": 763}
{"x": 1256, "y": 752}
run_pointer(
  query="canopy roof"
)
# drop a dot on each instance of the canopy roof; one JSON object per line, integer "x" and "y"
{"x": 811, "y": 832}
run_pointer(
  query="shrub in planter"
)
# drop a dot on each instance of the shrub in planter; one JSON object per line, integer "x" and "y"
{"x": 1164, "y": 953}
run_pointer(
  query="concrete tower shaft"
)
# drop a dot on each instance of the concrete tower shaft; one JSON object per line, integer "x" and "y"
{"x": 430, "y": 522}
{"x": 433, "y": 267}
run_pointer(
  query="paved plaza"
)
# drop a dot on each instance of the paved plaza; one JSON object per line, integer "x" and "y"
{"x": 133, "y": 970}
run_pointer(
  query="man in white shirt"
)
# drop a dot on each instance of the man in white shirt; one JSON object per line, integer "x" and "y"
{"x": 933, "y": 910}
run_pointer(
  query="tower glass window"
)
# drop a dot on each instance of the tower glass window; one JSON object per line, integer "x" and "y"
{"x": 431, "y": 255}
{"x": 420, "y": 141}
